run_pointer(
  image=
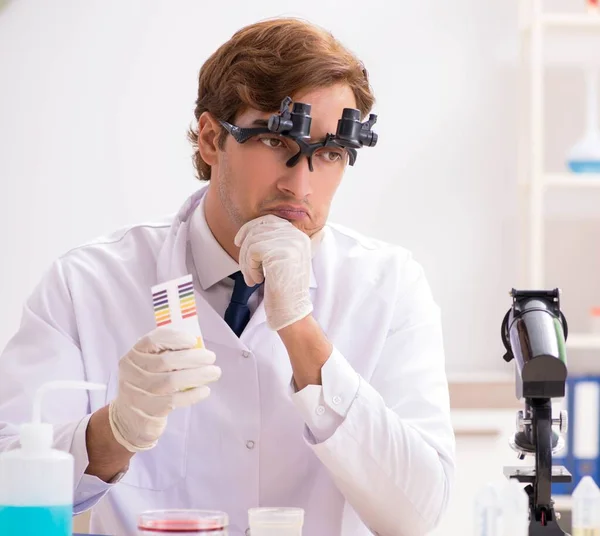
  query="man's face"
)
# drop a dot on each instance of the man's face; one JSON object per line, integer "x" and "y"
{"x": 252, "y": 178}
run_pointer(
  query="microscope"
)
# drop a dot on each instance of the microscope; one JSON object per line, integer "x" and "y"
{"x": 534, "y": 332}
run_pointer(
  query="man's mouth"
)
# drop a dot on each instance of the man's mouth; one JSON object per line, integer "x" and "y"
{"x": 290, "y": 212}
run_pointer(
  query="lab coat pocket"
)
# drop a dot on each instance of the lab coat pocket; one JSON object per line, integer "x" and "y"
{"x": 163, "y": 466}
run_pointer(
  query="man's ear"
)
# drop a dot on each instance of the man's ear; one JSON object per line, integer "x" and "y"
{"x": 208, "y": 135}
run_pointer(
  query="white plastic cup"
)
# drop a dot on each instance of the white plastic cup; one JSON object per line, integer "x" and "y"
{"x": 275, "y": 521}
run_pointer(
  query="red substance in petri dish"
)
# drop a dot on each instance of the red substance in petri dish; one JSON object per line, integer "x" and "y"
{"x": 182, "y": 526}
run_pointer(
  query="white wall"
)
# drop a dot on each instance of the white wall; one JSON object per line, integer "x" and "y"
{"x": 96, "y": 96}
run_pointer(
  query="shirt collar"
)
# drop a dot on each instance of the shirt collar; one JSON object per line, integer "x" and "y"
{"x": 206, "y": 248}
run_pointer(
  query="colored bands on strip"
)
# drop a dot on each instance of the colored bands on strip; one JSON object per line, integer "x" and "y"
{"x": 162, "y": 313}
{"x": 187, "y": 302}
{"x": 169, "y": 311}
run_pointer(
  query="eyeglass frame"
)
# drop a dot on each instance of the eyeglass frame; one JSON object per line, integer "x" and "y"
{"x": 243, "y": 134}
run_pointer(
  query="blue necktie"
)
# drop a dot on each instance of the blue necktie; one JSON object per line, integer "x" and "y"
{"x": 237, "y": 314}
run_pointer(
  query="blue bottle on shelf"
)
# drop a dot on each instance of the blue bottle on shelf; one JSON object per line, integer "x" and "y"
{"x": 584, "y": 157}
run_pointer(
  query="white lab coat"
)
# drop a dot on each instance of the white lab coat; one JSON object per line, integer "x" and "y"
{"x": 387, "y": 468}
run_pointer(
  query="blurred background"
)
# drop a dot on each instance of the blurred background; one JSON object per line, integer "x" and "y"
{"x": 471, "y": 172}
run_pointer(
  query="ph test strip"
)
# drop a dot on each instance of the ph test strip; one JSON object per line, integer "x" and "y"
{"x": 174, "y": 304}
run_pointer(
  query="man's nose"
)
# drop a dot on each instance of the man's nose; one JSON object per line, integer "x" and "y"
{"x": 297, "y": 180}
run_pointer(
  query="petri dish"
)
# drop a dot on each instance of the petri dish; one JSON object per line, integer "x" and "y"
{"x": 182, "y": 521}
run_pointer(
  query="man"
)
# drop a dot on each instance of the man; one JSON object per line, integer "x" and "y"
{"x": 322, "y": 383}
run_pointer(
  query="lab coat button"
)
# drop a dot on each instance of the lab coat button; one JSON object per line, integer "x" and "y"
{"x": 250, "y": 444}
{"x": 336, "y": 400}
{"x": 247, "y": 531}
{"x": 245, "y": 353}
{"x": 320, "y": 410}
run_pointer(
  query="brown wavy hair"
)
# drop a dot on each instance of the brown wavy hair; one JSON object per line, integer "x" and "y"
{"x": 263, "y": 63}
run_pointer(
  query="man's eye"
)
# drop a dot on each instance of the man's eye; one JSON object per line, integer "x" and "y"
{"x": 272, "y": 142}
{"x": 334, "y": 156}
{"x": 331, "y": 156}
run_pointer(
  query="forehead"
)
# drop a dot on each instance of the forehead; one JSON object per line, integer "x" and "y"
{"x": 327, "y": 105}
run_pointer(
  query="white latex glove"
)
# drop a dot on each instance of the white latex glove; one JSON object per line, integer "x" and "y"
{"x": 163, "y": 371}
{"x": 273, "y": 250}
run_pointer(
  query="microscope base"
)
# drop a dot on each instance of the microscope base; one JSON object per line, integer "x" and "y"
{"x": 527, "y": 475}
{"x": 551, "y": 529}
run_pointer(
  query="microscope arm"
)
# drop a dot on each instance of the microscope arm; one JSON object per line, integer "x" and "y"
{"x": 542, "y": 487}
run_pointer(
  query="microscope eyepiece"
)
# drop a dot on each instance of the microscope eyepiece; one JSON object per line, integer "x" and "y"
{"x": 352, "y": 133}
{"x": 534, "y": 333}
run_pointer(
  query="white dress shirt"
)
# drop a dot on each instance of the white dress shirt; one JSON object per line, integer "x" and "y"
{"x": 369, "y": 452}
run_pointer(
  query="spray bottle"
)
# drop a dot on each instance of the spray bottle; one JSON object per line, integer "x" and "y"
{"x": 502, "y": 509}
{"x": 36, "y": 481}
